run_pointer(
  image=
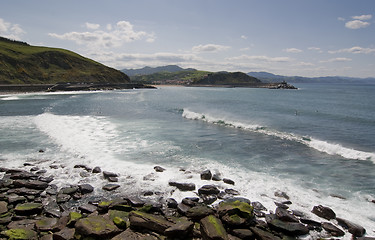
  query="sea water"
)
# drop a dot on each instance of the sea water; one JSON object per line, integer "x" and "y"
{"x": 316, "y": 144}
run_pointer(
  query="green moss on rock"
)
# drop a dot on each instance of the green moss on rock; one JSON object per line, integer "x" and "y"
{"x": 19, "y": 233}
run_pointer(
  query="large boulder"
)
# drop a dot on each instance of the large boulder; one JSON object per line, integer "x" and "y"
{"x": 20, "y": 234}
{"x": 355, "y": 229}
{"x": 241, "y": 209}
{"x": 28, "y": 208}
{"x": 181, "y": 228}
{"x": 324, "y": 212}
{"x": 32, "y": 184}
{"x": 129, "y": 234}
{"x": 199, "y": 212}
{"x": 206, "y": 175}
{"x": 208, "y": 190}
{"x": 263, "y": 235}
{"x": 97, "y": 227}
{"x": 183, "y": 186}
{"x": 284, "y": 215}
{"x": 64, "y": 234}
{"x": 332, "y": 229}
{"x": 149, "y": 221}
{"x": 290, "y": 228}
{"x": 212, "y": 228}
{"x": 45, "y": 224}
{"x": 3, "y": 207}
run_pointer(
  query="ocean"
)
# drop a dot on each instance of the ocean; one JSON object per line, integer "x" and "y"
{"x": 316, "y": 144}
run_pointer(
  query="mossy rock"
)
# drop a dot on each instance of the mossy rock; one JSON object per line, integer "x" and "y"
{"x": 119, "y": 222}
{"x": 146, "y": 208}
{"x": 19, "y": 233}
{"x": 149, "y": 221}
{"x": 212, "y": 228}
{"x": 96, "y": 226}
{"x": 242, "y": 209}
{"x": 73, "y": 218}
{"x": 28, "y": 208}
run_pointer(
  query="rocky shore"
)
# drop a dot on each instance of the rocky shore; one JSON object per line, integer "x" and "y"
{"x": 32, "y": 207}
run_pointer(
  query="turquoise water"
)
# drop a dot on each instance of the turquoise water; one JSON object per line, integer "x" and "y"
{"x": 313, "y": 143}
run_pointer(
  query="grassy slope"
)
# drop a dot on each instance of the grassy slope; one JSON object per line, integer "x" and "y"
{"x": 184, "y": 75}
{"x": 24, "y": 64}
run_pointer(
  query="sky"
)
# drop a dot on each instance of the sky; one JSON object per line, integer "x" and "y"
{"x": 308, "y": 38}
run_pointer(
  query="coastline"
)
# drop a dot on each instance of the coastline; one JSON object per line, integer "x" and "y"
{"x": 30, "y": 203}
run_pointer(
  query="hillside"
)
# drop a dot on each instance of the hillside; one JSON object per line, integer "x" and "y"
{"x": 227, "y": 78}
{"x": 21, "y": 63}
{"x": 183, "y": 77}
{"x": 150, "y": 70}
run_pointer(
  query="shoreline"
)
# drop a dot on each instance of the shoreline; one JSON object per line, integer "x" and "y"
{"x": 135, "y": 215}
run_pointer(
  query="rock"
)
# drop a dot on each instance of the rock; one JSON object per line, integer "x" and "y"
{"x": 216, "y": 177}
{"x": 3, "y": 207}
{"x": 208, "y": 199}
{"x": 33, "y": 184}
{"x": 109, "y": 174}
{"x": 190, "y": 201}
{"x": 119, "y": 222}
{"x": 15, "y": 199}
{"x": 285, "y": 216}
{"x": 135, "y": 201}
{"x": 290, "y": 228}
{"x": 208, "y": 190}
{"x": 110, "y": 187}
{"x": 45, "y": 224}
{"x": 83, "y": 166}
{"x": 199, "y": 212}
{"x": 19, "y": 233}
{"x": 25, "y": 191}
{"x": 311, "y": 224}
{"x": 47, "y": 237}
{"x": 149, "y": 221}
{"x": 228, "y": 181}
{"x": 231, "y": 192}
{"x": 129, "y": 234}
{"x": 182, "y": 208}
{"x": 183, "y": 186}
{"x": 281, "y": 205}
{"x": 281, "y": 194}
{"x": 24, "y": 224}
{"x": 97, "y": 170}
{"x": 69, "y": 190}
{"x": 332, "y": 229}
{"x": 28, "y": 208}
{"x": 85, "y": 188}
{"x": 263, "y": 235}
{"x": 212, "y": 228}
{"x": 353, "y": 228}
{"x": 206, "y": 175}
{"x": 171, "y": 203}
{"x": 324, "y": 212}
{"x": 243, "y": 233}
{"x": 159, "y": 169}
{"x": 181, "y": 228}
{"x": 97, "y": 227}
{"x": 45, "y": 179}
{"x": 242, "y": 209}
{"x": 20, "y": 174}
{"x": 64, "y": 234}
{"x": 73, "y": 218}
{"x": 62, "y": 198}
{"x": 258, "y": 206}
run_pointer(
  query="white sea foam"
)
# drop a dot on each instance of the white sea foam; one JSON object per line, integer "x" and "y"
{"x": 322, "y": 146}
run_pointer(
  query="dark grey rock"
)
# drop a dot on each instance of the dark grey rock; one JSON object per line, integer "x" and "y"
{"x": 355, "y": 229}
{"x": 182, "y": 208}
{"x": 97, "y": 227}
{"x": 212, "y": 228}
{"x": 62, "y": 198}
{"x": 181, "y": 228}
{"x": 97, "y": 170}
{"x": 109, "y": 174}
{"x": 135, "y": 201}
{"x": 3, "y": 207}
{"x": 129, "y": 234}
{"x": 46, "y": 179}
{"x": 208, "y": 199}
{"x": 208, "y": 190}
{"x": 45, "y": 224}
{"x": 190, "y": 201}
{"x": 263, "y": 235}
{"x": 85, "y": 188}
{"x": 290, "y": 228}
{"x": 148, "y": 221}
{"x": 110, "y": 187}
{"x": 228, "y": 181}
{"x": 69, "y": 190}
{"x": 87, "y": 208}
{"x": 159, "y": 169}
{"x": 285, "y": 216}
{"x": 199, "y": 212}
{"x": 281, "y": 194}
{"x": 216, "y": 177}
{"x": 27, "y": 209}
{"x": 23, "y": 224}
{"x": 32, "y": 184}
{"x": 332, "y": 229}
{"x": 64, "y": 234}
{"x": 243, "y": 233}
{"x": 183, "y": 186}
{"x": 324, "y": 212}
{"x": 231, "y": 191}
{"x": 258, "y": 206}
{"x": 112, "y": 179}
{"x": 171, "y": 203}
{"x": 15, "y": 199}
{"x": 206, "y": 175}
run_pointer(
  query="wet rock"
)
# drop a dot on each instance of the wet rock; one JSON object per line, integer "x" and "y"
{"x": 34, "y": 169}
{"x": 97, "y": 227}
{"x": 290, "y": 228}
{"x": 332, "y": 229}
{"x": 85, "y": 188}
{"x": 171, "y": 203}
{"x": 311, "y": 224}
{"x": 3, "y": 207}
{"x": 212, "y": 228}
{"x": 88, "y": 169}
{"x": 183, "y": 186}
{"x": 45, "y": 224}
{"x": 110, "y": 187}
{"x": 208, "y": 199}
{"x": 43, "y": 171}
{"x": 258, "y": 206}
{"x": 281, "y": 205}
{"x": 25, "y": 191}
{"x": 159, "y": 169}
{"x": 64, "y": 234}
{"x": 62, "y": 198}
{"x": 129, "y": 234}
{"x": 216, "y": 177}
{"x": 199, "y": 212}
{"x": 285, "y": 216}
{"x": 15, "y": 199}
{"x": 324, "y": 212}
{"x": 19, "y": 233}
{"x": 97, "y": 170}
{"x": 32, "y": 184}
{"x": 87, "y": 208}
{"x": 113, "y": 179}
{"x": 149, "y": 221}
{"x": 135, "y": 201}
{"x": 231, "y": 192}
{"x": 263, "y": 235}
{"x": 353, "y": 228}
{"x": 183, "y": 208}
{"x": 243, "y": 233}
{"x": 109, "y": 174}
{"x": 235, "y": 213}
{"x": 206, "y": 175}
{"x": 190, "y": 201}
{"x": 281, "y": 194}
{"x": 228, "y": 181}
{"x": 181, "y": 228}
{"x": 21, "y": 175}
{"x": 45, "y": 179}
{"x": 24, "y": 224}
{"x": 149, "y": 177}
{"x": 208, "y": 190}
{"x": 69, "y": 190}
{"x": 28, "y": 208}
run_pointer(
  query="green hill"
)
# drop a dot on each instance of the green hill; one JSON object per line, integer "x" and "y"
{"x": 227, "y": 78}
{"x": 183, "y": 77}
{"x": 21, "y": 63}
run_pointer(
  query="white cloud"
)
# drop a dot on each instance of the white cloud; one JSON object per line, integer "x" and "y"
{"x": 244, "y": 37}
{"x": 363, "y": 17}
{"x": 115, "y": 36}
{"x": 260, "y": 58}
{"x": 341, "y": 19}
{"x": 292, "y": 50}
{"x": 339, "y": 59}
{"x": 10, "y": 30}
{"x": 210, "y": 48}
{"x": 92, "y": 26}
{"x": 356, "y": 24}
{"x": 355, "y": 50}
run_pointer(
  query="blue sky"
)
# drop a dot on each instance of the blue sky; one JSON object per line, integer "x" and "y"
{"x": 287, "y": 37}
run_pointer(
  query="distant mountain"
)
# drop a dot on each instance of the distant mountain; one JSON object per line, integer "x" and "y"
{"x": 272, "y": 78}
{"x": 150, "y": 70}
{"x": 25, "y": 64}
{"x": 227, "y": 78}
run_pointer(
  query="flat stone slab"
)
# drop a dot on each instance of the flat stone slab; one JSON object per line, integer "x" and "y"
{"x": 97, "y": 226}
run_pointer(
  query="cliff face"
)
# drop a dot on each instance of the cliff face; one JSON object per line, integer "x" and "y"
{"x": 21, "y": 63}
{"x": 225, "y": 78}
